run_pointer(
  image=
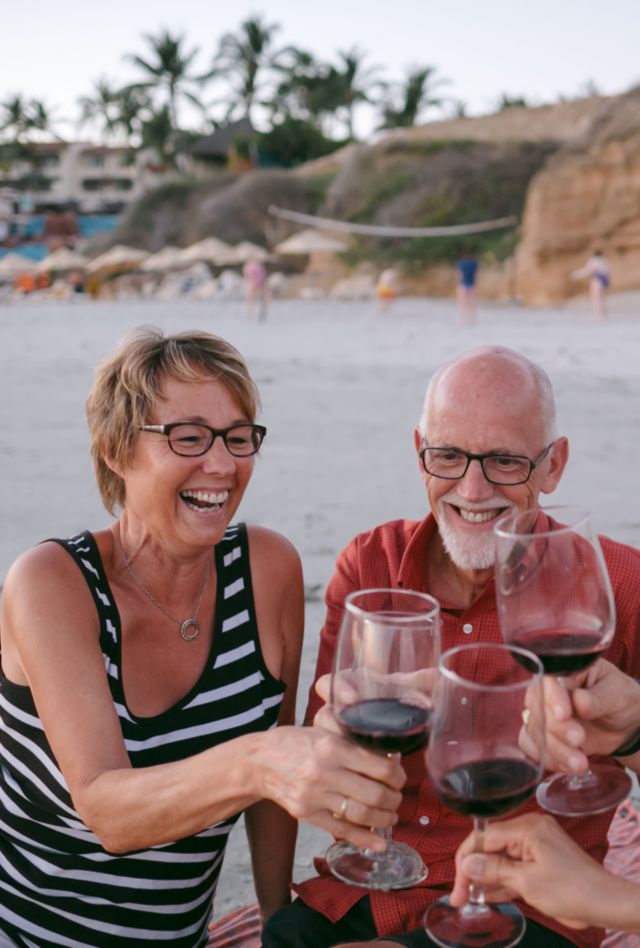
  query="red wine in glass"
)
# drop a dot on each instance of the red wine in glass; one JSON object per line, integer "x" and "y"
{"x": 561, "y": 651}
{"x": 554, "y": 598}
{"x": 480, "y": 767}
{"x": 383, "y": 674}
{"x": 490, "y": 787}
{"x": 387, "y": 725}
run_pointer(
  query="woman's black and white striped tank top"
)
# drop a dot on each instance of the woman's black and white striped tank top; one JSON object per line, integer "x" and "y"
{"x": 58, "y": 886}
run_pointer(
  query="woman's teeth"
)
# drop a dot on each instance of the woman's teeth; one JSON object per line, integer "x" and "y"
{"x": 204, "y": 499}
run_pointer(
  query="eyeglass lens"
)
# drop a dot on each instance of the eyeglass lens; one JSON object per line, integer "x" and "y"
{"x": 498, "y": 468}
{"x": 191, "y": 440}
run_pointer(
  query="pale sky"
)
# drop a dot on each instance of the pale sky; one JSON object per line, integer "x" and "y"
{"x": 55, "y": 51}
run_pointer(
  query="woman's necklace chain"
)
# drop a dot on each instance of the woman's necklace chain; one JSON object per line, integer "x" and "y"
{"x": 188, "y": 624}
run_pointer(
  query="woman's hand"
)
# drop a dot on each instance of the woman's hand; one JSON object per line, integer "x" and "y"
{"x": 326, "y": 780}
{"x": 532, "y": 858}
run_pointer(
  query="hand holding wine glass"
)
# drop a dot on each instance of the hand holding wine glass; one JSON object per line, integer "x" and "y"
{"x": 481, "y": 767}
{"x": 554, "y": 598}
{"x": 383, "y": 674}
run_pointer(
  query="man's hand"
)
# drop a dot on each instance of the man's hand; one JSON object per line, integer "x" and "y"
{"x": 595, "y": 718}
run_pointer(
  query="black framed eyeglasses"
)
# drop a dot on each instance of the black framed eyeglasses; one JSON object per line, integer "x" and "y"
{"x": 505, "y": 469}
{"x": 190, "y": 440}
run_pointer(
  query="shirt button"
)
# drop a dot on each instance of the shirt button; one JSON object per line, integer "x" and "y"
{"x": 424, "y": 821}
{"x": 467, "y": 628}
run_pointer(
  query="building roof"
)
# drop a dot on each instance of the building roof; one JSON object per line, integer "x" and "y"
{"x": 217, "y": 144}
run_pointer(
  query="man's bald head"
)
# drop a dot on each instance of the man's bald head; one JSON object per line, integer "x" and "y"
{"x": 492, "y": 375}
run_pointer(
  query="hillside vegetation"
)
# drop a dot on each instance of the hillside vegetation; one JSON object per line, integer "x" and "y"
{"x": 441, "y": 173}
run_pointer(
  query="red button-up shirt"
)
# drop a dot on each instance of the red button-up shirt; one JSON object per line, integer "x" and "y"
{"x": 395, "y": 555}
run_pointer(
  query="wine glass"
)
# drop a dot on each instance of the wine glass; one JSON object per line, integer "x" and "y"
{"x": 383, "y": 674}
{"x": 481, "y": 766}
{"x": 554, "y": 598}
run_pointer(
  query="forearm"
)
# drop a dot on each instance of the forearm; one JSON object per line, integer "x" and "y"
{"x": 272, "y": 837}
{"x": 615, "y": 904}
{"x": 135, "y": 808}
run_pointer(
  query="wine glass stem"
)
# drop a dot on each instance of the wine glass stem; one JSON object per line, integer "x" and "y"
{"x": 575, "y": 781}
{"x": 476, "y": 902}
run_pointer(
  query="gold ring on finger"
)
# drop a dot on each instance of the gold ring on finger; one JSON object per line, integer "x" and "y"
{"x": 340, "y": 812}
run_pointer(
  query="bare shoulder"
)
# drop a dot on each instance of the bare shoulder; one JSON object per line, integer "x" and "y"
{"x": 273, "y": 553}
{"x": 40, "y": 579}
{"x": 38, "y": 567}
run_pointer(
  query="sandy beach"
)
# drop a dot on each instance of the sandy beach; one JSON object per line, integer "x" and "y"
{"x": 342, "y": 388}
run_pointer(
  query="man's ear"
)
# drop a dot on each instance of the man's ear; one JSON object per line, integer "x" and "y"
{"x": 418, "y": 439}
{"x": 559, "y": 455}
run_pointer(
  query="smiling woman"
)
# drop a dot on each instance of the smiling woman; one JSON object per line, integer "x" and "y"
{"x": 145, "y": 667}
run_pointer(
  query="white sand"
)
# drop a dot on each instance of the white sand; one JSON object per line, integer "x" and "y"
{"x": 342, "y": 388}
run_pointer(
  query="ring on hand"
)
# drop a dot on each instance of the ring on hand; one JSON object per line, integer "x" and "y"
{"x": 339, "y": 814}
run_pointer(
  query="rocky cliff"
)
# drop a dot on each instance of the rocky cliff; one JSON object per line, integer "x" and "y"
{"x": 570, "y": 172}
{"x": 587, "y": 196}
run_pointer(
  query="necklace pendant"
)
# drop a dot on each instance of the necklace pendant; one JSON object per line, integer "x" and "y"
{"x": 184, "y": 630}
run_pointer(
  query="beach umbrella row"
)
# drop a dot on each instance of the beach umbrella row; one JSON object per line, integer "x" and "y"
{"x": 14, "y": 264}
{"x": 62, "y": 259}
{"x": 210, "y": 250}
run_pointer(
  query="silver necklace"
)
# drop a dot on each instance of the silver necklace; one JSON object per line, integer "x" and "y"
{"x": 188, "y": 624}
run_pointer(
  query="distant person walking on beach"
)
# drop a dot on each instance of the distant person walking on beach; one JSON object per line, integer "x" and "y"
{"x": 387, "y": 288}
{"x": 256, "y": 287}
{"x": 467, "y": 270}
{"x": 598, "y": 270}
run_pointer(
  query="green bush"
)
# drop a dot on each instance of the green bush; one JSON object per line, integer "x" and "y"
{"x": 292, "y": 142}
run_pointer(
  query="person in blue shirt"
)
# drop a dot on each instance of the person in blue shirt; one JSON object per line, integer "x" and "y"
{"x": 467, "y": 270}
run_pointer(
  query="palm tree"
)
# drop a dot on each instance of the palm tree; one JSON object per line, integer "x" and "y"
{"x": 415, "y": 96}
{"x": 101, "y": 106}
{"x": 242, "y": 58}
{"x": 507, "y": 101}
{"x": 298, "y": 69}
{"x": 168, "y": 70}
{"x": 353, "y": 83}
{"x": 309, "y": 90}
{"x": 22, "y": 116}
{"x": 158, "y": 135}
{"x": 117, "y": 111}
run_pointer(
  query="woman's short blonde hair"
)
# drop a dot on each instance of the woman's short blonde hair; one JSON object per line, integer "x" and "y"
{"x": 127, "y": 383}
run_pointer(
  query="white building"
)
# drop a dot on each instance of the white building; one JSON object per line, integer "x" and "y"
{"x": 91, "y": 177}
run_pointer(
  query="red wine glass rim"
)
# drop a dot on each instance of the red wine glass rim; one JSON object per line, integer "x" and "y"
{"x": 577, "y": 517}
{"x": 524, "y": 683}
{"x": 431, "y": 612}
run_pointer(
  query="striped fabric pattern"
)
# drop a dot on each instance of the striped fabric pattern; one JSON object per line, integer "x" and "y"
{"x": 58, "y": 887}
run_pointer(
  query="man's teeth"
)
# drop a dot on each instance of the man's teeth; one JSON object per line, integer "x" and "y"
{"x": 204, "y": 498}
{"x": 477, "y": 516}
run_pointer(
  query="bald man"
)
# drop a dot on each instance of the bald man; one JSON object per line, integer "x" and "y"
{"x": 486, "y": 442}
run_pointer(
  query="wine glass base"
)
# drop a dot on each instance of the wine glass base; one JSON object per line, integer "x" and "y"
{"x": 398, "y": 867}
{"x": 608, "y": 787}
{"x": 499, "y": 925}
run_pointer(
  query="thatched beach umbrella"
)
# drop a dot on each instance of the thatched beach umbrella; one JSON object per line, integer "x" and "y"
{"x": 204, "y": 251}
{"x": 62, "y": 259}
{"x": 14, "y": 264}
{"x": 119, "y": 257}
{"x": 169, "y": 258}
{"x": 242, "y": 252}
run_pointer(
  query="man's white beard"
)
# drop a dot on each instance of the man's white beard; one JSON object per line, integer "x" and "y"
{"x": 477, "y": 551}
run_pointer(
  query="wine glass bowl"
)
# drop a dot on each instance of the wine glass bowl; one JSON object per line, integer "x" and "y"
{"x": 554, "y": 598}
{"x": 383, "y": 674}
{"x": 484, "y": 760}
